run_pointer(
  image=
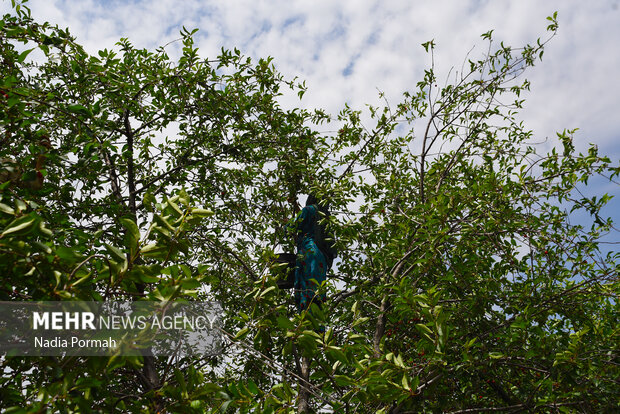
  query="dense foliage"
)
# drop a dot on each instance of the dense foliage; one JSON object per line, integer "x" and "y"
{"x": 462, "y": 283}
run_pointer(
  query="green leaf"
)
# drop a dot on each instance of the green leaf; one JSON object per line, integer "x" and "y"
{"x": 425, "y": 329}
{"x": 174, "y": 207}
{"x": 163, "y": 222}
{"x": 6, "y": 209}
{"x": 344, "y": 380}
{"x": 269, "y": 289}
{"x": 284, "y": 323}
{"x": 190, "y": 284}
{"x": 242, "y": 333}
{"x": 252, "y": 387}
{"x": 149, "y": 200}
{"x": 22, "y": 56}
{"x": 150, "y": 248}
{"x": 132, "y": 235}
{"x": 202, "y": 212}
{"x": 67, "y": 254}
{"x": 399, "y": 361}
{"x": 44, "y": 230}
{"x": 116, "y": 253}
{"x": 143, "y": 277}
{"x": 405, "y": 382}
{"x": 42, "y": 247}
{"x": 79, "y": 109}
{"x": 20, "y": 226}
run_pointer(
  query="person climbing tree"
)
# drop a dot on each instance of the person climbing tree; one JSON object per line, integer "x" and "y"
{"x": 315, "y": 253}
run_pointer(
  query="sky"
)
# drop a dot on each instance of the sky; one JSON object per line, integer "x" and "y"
{"x": 347, "y": 50}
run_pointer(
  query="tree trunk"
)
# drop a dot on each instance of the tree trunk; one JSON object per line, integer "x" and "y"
{"x": 151, "y": 375}
{"x": 380, "y": 327}
{"x": 303, "y": 405}
{"x": 149, "y": 370}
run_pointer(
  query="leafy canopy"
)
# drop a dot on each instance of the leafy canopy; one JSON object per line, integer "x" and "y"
{"x": 462, "y": 282}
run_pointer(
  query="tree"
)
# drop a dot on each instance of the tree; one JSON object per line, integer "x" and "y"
{"x": 461, "y": 283}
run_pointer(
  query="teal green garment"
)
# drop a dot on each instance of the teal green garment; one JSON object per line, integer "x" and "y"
{"x": 311, "y": 264}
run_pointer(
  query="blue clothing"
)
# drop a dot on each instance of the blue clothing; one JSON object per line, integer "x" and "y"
{"x": 311, "y": 264}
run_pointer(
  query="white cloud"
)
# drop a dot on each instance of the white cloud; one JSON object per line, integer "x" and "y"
{"x": 377, "y": 43}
